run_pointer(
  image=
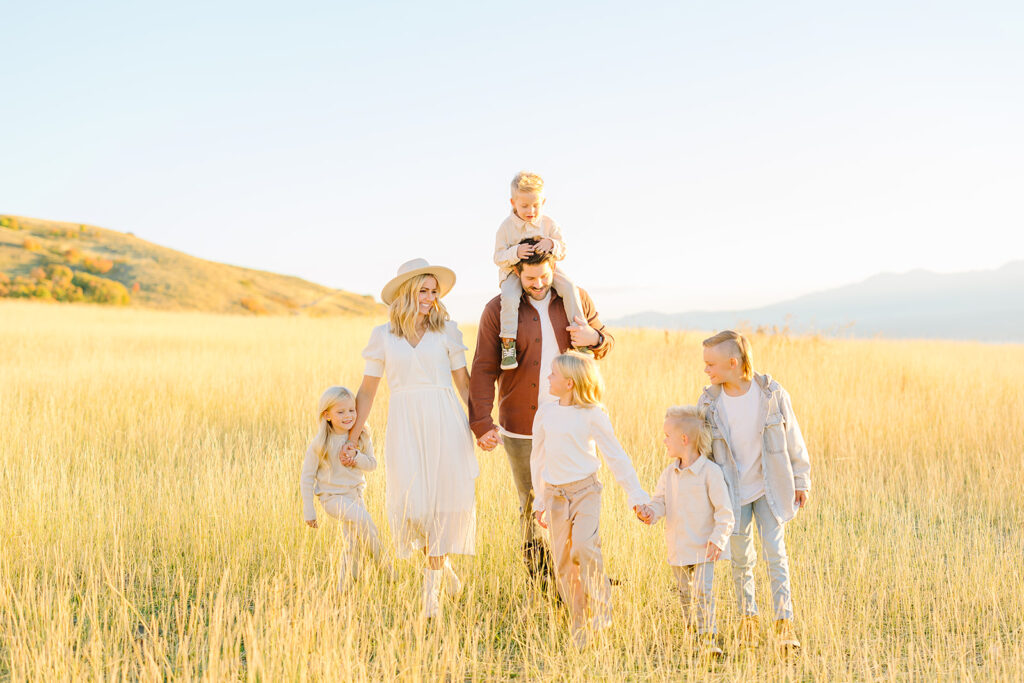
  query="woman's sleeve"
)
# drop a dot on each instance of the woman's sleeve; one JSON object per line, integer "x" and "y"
{"x": 374, "y": 352}
{"x": 453, "y": 341}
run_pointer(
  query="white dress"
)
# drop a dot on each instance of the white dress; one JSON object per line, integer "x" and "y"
{"x": 428, "y": 448}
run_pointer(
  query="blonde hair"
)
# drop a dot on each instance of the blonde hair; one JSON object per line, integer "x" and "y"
{"x": 587, "y": 384}
{"x": 525, "y": 181}
{"x": 738, "y": 347}
{"x": 405, "y": 306}
{"x": 693, "y": 421}
{"x": 327, "y": 400}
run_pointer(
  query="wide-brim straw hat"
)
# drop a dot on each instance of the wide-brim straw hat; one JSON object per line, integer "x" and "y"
{"x": 418, "y": 266}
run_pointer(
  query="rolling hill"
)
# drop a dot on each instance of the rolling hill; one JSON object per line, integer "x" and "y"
{"x": 983, "y": 305}
{"x": 45, "y": 259}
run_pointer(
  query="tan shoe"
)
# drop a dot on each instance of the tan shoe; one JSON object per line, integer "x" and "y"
{"x": 748, "y": 633}
{"x": 707, "y": 645}
{"x": 786, "y": 635}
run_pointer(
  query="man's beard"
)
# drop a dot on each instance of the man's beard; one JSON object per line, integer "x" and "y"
{"x": 538, "y": 296}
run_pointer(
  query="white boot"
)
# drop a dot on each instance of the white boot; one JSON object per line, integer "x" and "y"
{"x": 452, "y": 585}
{"x": 432, "y": 592}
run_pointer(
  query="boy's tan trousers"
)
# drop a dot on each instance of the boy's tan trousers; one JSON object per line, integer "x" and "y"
{"x": 574, "y": 514}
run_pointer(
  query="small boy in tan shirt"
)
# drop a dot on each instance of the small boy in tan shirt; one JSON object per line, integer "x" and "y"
{"x": 527, "y": 221}
{"x": 692, "y": 496}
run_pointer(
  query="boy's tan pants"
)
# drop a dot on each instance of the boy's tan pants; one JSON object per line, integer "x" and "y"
{"x": 574, "y": 514}
{"x": 697, "y": 596}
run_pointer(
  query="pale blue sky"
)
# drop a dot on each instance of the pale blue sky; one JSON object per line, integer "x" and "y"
{"x": 698, "y": 155}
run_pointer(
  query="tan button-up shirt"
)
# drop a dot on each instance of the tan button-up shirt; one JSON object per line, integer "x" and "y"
{"x": 514, "y": 230}
{"x": 695, "y": 503}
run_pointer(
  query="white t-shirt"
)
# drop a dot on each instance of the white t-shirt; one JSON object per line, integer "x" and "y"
{"x": 548, "y": 351}
{"x": 742, "y": 413}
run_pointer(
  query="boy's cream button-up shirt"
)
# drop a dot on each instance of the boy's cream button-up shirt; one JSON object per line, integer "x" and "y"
{"x": 514, "y": 230}
{"x": 695, "y": 503}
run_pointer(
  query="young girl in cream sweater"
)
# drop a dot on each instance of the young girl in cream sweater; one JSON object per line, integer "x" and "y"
{"x": 564, "y": 467}
{"x": 333, "y": 472}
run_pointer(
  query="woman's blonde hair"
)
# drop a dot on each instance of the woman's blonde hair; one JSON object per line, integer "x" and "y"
{"x": 587, "y": 384}
{"x": 693, "y": 421}
{"x": 405, "y": 306}
{"x": 525, "y": 181}
{"x": 738, "y": 347}
{"x": 324, "y": 431}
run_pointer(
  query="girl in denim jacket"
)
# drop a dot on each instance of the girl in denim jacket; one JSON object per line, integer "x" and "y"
{"x": 758, "y": 444}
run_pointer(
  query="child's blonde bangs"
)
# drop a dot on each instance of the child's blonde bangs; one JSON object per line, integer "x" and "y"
{"x": 525, "y": 181}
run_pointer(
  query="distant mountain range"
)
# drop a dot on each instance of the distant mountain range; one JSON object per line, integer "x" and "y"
{"x": 51, "y": 260}
{"x": 985, "y": 305}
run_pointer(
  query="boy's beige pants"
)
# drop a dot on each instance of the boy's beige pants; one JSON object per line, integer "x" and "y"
{"x": 697, "y": 596}
{"x": 574, "y": 514}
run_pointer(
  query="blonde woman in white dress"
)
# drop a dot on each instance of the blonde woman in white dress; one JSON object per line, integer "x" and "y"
{"x": 428, "y": 448}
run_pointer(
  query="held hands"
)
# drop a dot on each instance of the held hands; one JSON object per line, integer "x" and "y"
{"x": 348, "y": 454}
{"x": 644, "y": 513}
{"x": 544, "y": 246}
{"x": 582, "y": 334}
{"x": 490, "y": 440}
{"x": 312, "y": 524}
{"x": 714, "y": 552}
{"x": 539, "y": 516}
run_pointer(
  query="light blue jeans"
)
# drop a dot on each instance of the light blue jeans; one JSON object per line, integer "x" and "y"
{"x": 773, "y": 544}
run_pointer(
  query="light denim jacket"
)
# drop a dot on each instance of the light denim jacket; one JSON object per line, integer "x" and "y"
{"x": 787, "y": 467}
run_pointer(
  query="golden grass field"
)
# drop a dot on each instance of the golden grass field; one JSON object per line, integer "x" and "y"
{"x": 151, "y": 521}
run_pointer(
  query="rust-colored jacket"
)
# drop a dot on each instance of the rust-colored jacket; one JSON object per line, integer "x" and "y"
{"x": 517, "y": 389}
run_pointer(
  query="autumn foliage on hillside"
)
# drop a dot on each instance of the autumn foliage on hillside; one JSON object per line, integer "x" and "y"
{"x": 58, "y": 282}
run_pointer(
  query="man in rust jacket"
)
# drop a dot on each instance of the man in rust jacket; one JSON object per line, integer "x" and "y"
{"x": 544, "y": 332}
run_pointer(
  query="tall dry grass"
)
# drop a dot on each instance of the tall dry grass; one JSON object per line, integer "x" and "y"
{"x": 151, "y": 524}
